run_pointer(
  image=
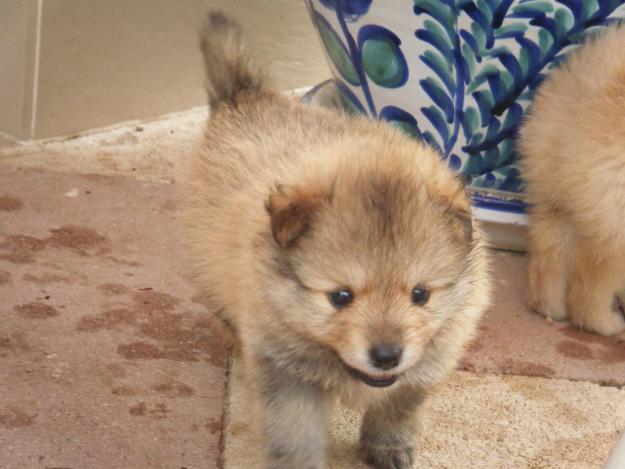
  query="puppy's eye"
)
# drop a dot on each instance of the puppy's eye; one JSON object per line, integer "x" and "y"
{"x": 420, "y": 295}
{"x": 341, "y": 298}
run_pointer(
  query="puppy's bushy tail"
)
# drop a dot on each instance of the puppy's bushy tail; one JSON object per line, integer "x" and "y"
{"x": 230, "y": 72}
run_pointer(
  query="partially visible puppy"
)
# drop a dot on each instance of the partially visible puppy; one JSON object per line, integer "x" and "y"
{"x": 573, "y": 147}
{"x": 339, "y": 251}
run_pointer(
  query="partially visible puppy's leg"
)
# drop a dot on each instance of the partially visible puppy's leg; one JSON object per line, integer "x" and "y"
{"x": 595, "y": 278}
{"x": 293, "y": 419}
{"x": 549, "y": 247}
{"x": 389, "y": 429}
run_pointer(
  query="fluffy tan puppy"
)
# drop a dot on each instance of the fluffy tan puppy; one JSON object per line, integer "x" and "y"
{"x": 338, "y": 251}
{"x": 573, "y": 147}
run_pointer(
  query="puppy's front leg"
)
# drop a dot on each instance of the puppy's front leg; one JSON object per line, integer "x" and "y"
{"x": 294, "y": 419}
{"x": 389, "y": 428}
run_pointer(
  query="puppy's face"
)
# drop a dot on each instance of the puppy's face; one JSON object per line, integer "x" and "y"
{"x": 370, "y": 265}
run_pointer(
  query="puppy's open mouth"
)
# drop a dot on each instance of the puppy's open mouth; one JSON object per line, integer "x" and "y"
{"x": 375, "y": 381}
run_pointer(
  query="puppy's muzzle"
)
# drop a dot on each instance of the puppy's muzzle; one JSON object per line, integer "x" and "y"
{"x": 385, "y": 356}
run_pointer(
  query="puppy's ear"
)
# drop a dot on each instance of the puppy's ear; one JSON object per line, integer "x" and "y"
{"x": 462, "y": 223}
{"x": 458, "y": 202}
{"x": 291, "y": 210}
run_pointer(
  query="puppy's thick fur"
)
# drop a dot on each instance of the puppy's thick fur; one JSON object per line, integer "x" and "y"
{"x": 573, "y": 147}
{"x": 285, "y": 203}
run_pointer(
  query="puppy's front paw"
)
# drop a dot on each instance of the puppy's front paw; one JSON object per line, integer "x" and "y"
{"x": 385, "y": 457}
{"x": 546, "y": 291}
{"x": 604, "y": 323}
{"x": 548, "y": 306}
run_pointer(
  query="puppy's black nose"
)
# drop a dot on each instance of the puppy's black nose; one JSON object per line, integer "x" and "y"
{"x": 385, "y": 356}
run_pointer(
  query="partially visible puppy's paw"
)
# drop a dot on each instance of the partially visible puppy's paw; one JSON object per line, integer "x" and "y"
{"x": 547, "y": 298}
{"x": 605, "y": 323}
{"x": 387, "y": 457}
{"x": 553, "y": 311}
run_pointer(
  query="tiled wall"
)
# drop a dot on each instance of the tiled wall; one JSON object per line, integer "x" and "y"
{"x": 71, "y": 65}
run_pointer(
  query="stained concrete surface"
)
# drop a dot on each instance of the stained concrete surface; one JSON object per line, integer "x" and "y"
{"x": 106, "y": 358}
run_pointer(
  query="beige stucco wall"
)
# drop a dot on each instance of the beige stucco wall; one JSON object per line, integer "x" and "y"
{"x": 99, "y": 62}
{"x": 18, "y": 23}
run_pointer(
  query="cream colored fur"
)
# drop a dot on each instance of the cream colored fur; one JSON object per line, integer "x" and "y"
{"x": 573, "y": 146}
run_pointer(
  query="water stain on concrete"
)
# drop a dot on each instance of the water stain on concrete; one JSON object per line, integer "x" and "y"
{"x": 214, "y": 426}
{"x": 5, "y": 277}
{"x": 611, "y": 351}
{"x": 10, "y": 204}
{"x": 12, "y": 417}
{"x": 111, "y": 318}
{"x": 36, "y": 310}
{"x": 75, "y": 237}
{"x": 13, "y": 343}
{"x": 138, "y": 410}
{"x": 147, "y": 306}
{"x": 139, "y": 350}
{"x": 113, "y": 288}
{"x": 573, "y": 349}
{"x": 21, "y": 249}
{"x": 166, "y": 334}
{"x": 173, "y": 389}
{"x": 158, "y": 410}
{"x": 45, "y": 278}
{"x": 186, "y": 343}
{"x": 148, "y": 301}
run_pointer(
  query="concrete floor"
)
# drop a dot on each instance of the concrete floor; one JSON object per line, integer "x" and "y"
{"x": 107, "y": 360}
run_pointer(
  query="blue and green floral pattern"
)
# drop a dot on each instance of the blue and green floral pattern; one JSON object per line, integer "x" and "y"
{"x": 458, "y": 74}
